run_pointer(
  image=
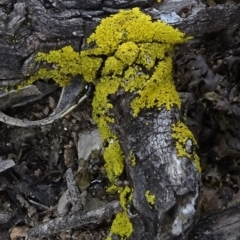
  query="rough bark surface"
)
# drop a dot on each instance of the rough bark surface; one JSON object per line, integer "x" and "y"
{"x": 173, "y": 180}
{"x": 31, "y": 26}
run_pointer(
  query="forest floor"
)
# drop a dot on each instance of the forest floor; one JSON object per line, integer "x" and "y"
{"x": 207, "y": 77}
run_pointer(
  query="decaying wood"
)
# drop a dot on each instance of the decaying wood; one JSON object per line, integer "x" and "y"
{"x": 173, "y": 180}
{"x": 75, "y": 219}
{"x": 31, "y": 26}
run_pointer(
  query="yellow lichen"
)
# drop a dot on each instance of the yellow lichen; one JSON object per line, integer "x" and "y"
{"x": 132, "y": 159}
{"x": 112, "y": 189}
{"x": 131, "y": 43}
{"x": 149, "y": 52}
{"x": 182, "y": 134}
{"x": 65, "y": 63}
{"x": 138, "y": 43}
{"x": 132, "y": 52}
{"x": 112, "y": 66}
{"x": 125, "y": 197}
{"x": 158, "y": 91}
{"x": 127, "y": 53}
{"x": 150, "y": 198}
{"x": 122, "y": 226}
{"x": 113, "y": 157}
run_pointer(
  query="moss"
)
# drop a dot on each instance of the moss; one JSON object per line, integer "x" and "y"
{"x": 150, "y": 198}
{"x": 182, "y": 135}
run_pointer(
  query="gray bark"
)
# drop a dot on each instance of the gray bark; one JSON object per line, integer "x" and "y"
{"x": 30, "y": 26}
{"x": 173, "y": 180}
{"x": 75, "y": 219}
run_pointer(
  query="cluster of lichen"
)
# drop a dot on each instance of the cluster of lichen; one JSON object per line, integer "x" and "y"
{"x": 132, "y": 159}
{"x": 138, "y": 59}
{"x": 150, "y": 198}
{"x": 122, "y": 225}
{"x": 63, "y": 64}
{"x": 130, "y": 51}
{"x": 182, "y": 135}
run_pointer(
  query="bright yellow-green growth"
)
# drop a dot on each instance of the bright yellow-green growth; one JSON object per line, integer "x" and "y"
{"x": 132, "y": 159}
{"x": 150, "y": 198}
{"x": 114, "y": 160}
{"x": 132, "y": 52}
{"x": 125, "y": 197}
{"x": 137, "y": 58}
{"x": 112, "y": 189}
{"x": 182, "y": 134}
{"x": 64, "y": 64}
{"x": 121, "y": 226}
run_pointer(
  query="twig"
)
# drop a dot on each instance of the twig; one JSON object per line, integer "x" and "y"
{"x": 74, "y": 219}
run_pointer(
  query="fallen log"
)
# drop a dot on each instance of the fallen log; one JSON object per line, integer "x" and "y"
{"x": 30, "y": 26}
{"x": 165, "y": 184}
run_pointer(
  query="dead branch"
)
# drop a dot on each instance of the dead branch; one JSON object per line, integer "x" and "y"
{"x": 75, "y": 219}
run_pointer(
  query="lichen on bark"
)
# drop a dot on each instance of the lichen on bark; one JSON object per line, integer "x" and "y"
{"x": 138, "y": 59}
{"x": 131, "y": 52}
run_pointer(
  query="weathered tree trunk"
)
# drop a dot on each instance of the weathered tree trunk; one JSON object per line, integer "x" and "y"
{"x": 173, "y": 180}
{"x": 31, "y": 26}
